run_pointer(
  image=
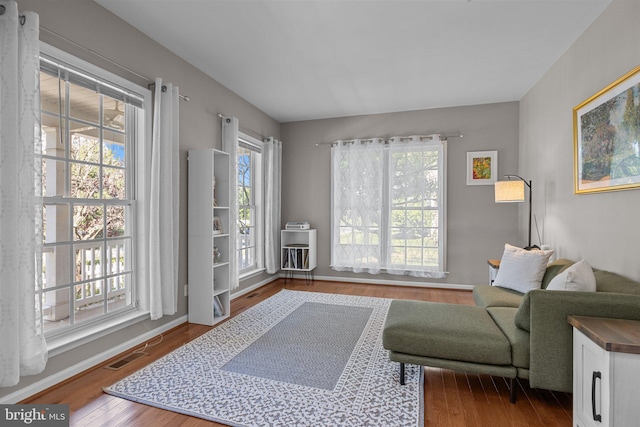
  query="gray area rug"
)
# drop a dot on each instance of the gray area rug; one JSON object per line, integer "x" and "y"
{"x": 295, "y": 359}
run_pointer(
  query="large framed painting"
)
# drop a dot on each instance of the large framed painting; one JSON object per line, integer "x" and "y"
{"x": 606, "y": 131}
{"x": 482, "y": 167}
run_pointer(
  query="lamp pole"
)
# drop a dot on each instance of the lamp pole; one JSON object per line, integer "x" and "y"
{"x": 529, "y": 247}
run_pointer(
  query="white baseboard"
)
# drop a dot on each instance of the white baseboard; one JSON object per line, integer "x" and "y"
{"x": 394, "y": 282}
{"x": 67, "y": 373}
{"x": 252, "y": 288}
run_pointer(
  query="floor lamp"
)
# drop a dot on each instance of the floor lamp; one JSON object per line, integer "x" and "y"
{"x": 513, "y": 192}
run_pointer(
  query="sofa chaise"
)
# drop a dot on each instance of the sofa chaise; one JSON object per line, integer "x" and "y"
{"x": 507, "y": 333}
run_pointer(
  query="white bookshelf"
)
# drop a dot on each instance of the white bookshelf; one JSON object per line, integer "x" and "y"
{"x": 298, "y": 251}
{"x": 209, "y": 278}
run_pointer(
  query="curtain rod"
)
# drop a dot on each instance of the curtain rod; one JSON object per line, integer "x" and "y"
{"x": 104, "y": 58}
{"x": 164, "y": 89}
{"x": 351, "y": 141}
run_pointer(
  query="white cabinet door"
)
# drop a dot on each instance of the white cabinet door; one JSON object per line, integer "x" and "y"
{"x": 590, "y": 383}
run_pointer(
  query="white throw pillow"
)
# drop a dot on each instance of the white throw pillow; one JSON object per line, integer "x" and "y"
{"x": 522, "y": 270}
{"x": 578, "y": 277}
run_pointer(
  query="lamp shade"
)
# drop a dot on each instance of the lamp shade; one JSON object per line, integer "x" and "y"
{"x": 509, "y": 191}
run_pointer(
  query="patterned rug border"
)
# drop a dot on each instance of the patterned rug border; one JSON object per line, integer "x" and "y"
{"x": 368, "y": 392}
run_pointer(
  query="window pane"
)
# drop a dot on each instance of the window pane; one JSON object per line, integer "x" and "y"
{"x": 56, "y": 268}
{"x": 119, "y": 292}
{"x": 431, "y": 257}
{"x": 114, "y": 113}
{"x": 56, "y": 308}
{"x": 113, "y": 183}
{"x": 117, "y": 257}
{"x": 88, "y": 262}
{"x": 55, "y": 228}
{"x": 53, "y": 173}
{"x": 113, "y": 148}
{"x": 52, "y": 93}
{"x": 53, "y": 136}
{"x": 84, "y": 146}
{"x": 116, "y": 221}
{"x": 89, "y": 301}
{"x": 88, "y": 222}
{"x": 414, "y": 257}
{"x": 85, "y": 181}
{"x": 84, "y": 104}
{"x": 346, "y": 236}
{"x": 246, "y": 258}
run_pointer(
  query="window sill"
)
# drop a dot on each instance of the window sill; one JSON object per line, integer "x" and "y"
{"x": 252, "y": 273}
{"x": 82, "y": 336}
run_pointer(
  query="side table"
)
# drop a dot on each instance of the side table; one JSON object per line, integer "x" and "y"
{"x": 494, "y": 265}
{"x": 606, "y": 371}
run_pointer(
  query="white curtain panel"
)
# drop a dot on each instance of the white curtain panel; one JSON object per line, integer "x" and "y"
{"x": 23, "y": 350}
{"x": 357, "y": 203}
{"x": 273, "y": 178}
{"x": 164, "y": 200}
{"x": 415, "y": 178}
{"x": 230, "y": 129}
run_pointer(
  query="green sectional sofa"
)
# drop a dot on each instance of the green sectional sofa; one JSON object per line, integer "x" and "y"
{"x": 507, "y": 333}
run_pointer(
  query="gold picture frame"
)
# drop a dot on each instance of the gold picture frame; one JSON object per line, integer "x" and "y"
{"x": 606, "y": 138}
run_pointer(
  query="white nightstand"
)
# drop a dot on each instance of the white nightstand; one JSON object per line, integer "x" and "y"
{"x": 606, "y": 371}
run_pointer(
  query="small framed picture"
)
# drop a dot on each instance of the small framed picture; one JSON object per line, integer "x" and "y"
{"x": 482, "y": 167}
{"x": 217, "y": 225}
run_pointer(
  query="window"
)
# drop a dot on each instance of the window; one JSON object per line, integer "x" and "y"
{"x": 92, "y": 129}
{"x": 250, "y": 206}
{"x": 388, "y": 206}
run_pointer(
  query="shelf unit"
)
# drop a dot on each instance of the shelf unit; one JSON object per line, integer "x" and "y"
{"x": 298, "y": 250}
{"x": 209, "y": 278}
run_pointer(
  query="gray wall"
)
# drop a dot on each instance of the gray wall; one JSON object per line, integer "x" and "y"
{"x": 602, "y": 228}
{"x": 91, "y": 26}
{"x": 477, "y": 227}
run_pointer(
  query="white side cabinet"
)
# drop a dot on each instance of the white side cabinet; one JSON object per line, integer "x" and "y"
{"x": 298, "y": 250}
{"x": 494, "y": 265}
{"x": 606, "y": 372}
{"x": 208, "y": 236}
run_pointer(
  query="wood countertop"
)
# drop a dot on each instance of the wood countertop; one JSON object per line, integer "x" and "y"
{"x": 618, "y": 335}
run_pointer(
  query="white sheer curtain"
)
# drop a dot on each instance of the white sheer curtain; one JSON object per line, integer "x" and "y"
{"x": 388, "y": 206}
{"x": 416, "y": 231}
{"x": 23, "y": 350}
{"x": 164, "y": 199}
{"x": 273, "y": 178}
{"x": 357, "y": 168}
{"x": 230, "y": 130}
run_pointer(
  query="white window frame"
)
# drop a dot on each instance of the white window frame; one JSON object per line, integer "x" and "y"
{"x": 257, "y": 205}
{"x": 69, "y": 337}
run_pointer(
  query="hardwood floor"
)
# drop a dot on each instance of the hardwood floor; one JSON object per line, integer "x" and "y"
{"x": 450, "y": 398}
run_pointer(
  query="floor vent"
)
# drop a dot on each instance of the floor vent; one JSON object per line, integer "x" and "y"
{"x": 125, "y": 361}
{"x": 253, "y": 295}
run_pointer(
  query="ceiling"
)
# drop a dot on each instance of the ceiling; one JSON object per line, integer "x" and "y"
{"x": 306, "y": 59}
